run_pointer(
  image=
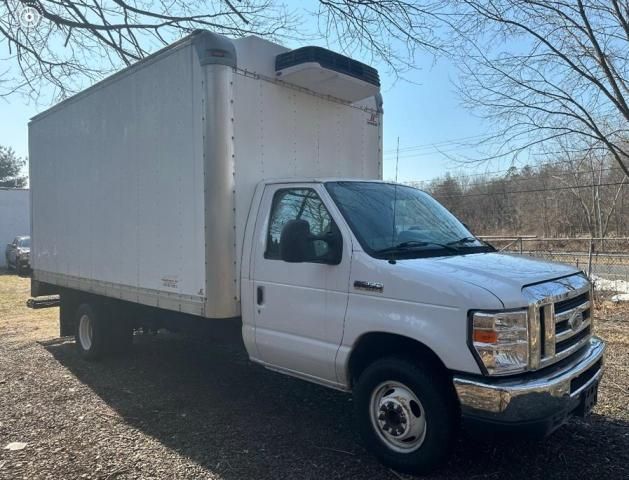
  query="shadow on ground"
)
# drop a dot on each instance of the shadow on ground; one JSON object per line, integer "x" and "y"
{"x": 207, "y": 402}
{"x": 4, "y": 271}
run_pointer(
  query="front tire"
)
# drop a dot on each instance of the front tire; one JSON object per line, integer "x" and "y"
{"x": 406, "y": 414}
{"x": 91, "y": 334}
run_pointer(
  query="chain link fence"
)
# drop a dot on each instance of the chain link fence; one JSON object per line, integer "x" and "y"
{"x": 605, "y": 259}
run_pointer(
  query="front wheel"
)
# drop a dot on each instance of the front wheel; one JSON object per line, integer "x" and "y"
{"x": 406, "y": 414}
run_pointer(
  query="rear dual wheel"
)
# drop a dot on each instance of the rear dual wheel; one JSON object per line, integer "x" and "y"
{"x": 90, "y": 332}
{"x": 100, "y": 331}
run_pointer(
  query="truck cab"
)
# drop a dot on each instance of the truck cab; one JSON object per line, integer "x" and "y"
{"x": 375, "y": 288}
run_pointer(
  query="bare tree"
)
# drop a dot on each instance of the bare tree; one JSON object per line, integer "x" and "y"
{"x": 599, "y": 200}
{"x": 545, "y": 70}
{"x": 388, "y": 32}
{"x": 68, "y": 45}
{"x": 572, "y": 195}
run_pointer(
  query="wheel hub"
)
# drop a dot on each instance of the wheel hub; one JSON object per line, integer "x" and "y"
{"x": 398, "y": 416}
{"x": 393, "y": 418}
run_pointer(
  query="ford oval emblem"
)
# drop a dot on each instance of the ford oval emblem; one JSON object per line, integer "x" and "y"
{"x": 576, "y": 320}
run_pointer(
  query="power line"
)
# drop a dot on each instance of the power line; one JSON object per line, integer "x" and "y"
{"x": 431, "y": 149}
{"x": 536, "y": 190}
{"x": 434, "y": 144}
{"x": 448, "y": 149}
{"x": 456, "y": 144}
{"x": 519, "y": 169}
{"x": 506, "y": 180}
{"x": 445, "y": 143}
{"x": 436, "y": 150}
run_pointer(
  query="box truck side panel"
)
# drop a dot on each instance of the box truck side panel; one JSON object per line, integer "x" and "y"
{"x": 284, "y": 132}
{"x": 117, "y": 175}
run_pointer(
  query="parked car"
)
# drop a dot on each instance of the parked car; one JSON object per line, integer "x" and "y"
{"x": 18, "y": 254}
{"x": 165, "y": 214}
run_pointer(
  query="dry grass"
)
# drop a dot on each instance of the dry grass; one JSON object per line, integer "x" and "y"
{"x": 17, "y": 322}
{"x": 612, "y": 324}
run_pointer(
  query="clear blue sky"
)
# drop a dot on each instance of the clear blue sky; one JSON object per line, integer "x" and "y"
{"x": 422, "y": 112}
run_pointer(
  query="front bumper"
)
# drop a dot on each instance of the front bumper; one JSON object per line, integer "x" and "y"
{"x": 542, "y": 399}
{"x": 24, "y": 262}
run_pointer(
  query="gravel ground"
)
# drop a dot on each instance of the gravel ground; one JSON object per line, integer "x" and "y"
{"x": 182, "y": 408}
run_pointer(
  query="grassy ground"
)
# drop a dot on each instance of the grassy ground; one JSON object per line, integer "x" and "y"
{"x": 18, "y": 323}
{"x": 187, "y": 408}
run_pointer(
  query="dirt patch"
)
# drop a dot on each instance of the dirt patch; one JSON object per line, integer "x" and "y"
{"x": 182, "y": 408}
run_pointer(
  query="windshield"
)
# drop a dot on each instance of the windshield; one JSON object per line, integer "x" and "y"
{"x": 25, "y": 243}
{"x": 398, "y": 221}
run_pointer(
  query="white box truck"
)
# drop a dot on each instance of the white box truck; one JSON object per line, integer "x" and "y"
{"x": 236, "y": 182}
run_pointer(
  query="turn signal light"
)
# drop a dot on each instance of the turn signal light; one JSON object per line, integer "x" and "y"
{"x": 485, "y": 336}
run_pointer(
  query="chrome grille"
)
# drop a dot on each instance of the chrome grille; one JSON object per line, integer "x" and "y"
{"x": 560, "y": 319}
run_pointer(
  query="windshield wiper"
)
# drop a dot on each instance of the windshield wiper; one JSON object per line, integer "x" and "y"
{"x": 413, "y": 245}
{"x": 464, "y": 240}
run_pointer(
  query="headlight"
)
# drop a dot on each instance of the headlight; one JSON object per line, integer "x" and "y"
{"x": 501, "y": 340}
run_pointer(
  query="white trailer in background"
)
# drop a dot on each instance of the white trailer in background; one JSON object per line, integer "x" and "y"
{"x": 156, "y": 203}
{"x": 15, "y": 216}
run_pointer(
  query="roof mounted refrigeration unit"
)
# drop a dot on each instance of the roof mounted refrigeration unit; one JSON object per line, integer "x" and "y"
{"x": 328, "y": 73}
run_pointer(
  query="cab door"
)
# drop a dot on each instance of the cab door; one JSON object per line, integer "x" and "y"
{"x": 299, "y": 308}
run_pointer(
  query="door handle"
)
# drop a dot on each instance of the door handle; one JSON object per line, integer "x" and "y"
{"x": 260, "y": 295}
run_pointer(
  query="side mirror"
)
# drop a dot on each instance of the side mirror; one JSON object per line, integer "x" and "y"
{"x": 297, "y": 244}
{"x": 334, "y": 239}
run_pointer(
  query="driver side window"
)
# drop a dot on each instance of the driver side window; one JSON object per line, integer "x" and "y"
{"x": 298, "y": 204}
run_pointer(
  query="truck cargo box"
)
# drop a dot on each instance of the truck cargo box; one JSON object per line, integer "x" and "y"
{"x": 142, "y": 183}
